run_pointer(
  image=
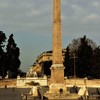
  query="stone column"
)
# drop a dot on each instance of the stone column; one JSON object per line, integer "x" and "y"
{"x": 57, "y": 68}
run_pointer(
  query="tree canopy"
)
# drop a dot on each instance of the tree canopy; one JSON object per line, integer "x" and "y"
{"x": 95, "y": 63}
{"x": 68, "y": 63}
{"x": 74, "y": 45}
{"x": 13, "y": 53}
{"x": 87, "y": 61}
{"x": 2, "y": 54}
{"x": 9, "y": 59}
{"x": 84, "y": 54}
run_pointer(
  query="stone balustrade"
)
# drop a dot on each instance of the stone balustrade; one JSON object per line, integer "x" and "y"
{"x": 81, "y": 82}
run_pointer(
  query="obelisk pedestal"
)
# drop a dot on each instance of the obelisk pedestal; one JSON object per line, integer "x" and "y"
{"x": 57, "y": 74}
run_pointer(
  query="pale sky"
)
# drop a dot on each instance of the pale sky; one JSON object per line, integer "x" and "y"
{"x": 31, "y": 23}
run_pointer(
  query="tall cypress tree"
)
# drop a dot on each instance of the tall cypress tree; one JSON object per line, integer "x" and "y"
{"x": 13, "y": 53}
{"x": 2, "y": 55}
{"x": 95, "y": 63}
{"x": 68, "y": 63}
{"x": 84, "y": 56}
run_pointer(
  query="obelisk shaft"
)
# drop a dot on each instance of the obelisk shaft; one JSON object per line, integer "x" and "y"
{"x": 57, "y": 45}
{"x": 57, "y": 68}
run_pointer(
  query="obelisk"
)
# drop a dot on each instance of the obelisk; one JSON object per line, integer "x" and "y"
{"x": 57, "y": 68}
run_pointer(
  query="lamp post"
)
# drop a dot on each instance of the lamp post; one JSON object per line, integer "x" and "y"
{"x": 74, "y": 57}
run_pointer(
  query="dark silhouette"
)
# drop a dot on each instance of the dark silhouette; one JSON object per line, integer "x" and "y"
{"x": 2, "y": 55}
{"x": 74, "y": 89}
{"x": 61, "y": 91}
{"x": 84, "y": 56}
{"x": 68, "y": 63}
{"x": 97, "y": 91}
{"x": 46, "y": 67}
{"x": 85, "y": 51}
{"x": 95, "y": 63}
{"x": 12, "y": 55}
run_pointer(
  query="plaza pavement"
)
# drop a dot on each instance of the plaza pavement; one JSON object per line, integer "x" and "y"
{"x": 12, "y": 94}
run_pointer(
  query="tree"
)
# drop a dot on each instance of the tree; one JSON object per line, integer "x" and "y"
{"x": 2, "y": 55}
{"x": 74, "y": 45}
{"x": 83, "y": 50}
{"x": 12, "y": 55}
{"x": 95, "y": 63}
{"x": 84, "y": 57}
{"x": 68, "y": 63}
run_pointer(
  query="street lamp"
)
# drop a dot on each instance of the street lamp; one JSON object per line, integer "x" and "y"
{"x": 74, "y": 57}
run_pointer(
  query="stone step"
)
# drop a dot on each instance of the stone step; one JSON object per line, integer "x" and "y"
{"x": 30, "y": 98}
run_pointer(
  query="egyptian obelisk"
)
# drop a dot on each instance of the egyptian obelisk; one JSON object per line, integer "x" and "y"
{"x": 57, "y": 68}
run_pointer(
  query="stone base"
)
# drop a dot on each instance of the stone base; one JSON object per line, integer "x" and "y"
{"x": 57, "y": 73}
{"x": 49, "y": 96}
{"x": 55, "y": 88}
{"x": 55, "y": 94}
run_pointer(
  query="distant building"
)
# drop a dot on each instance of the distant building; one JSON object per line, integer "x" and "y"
{"x": 39, "y": 67}
{"x": 47, "y": 56}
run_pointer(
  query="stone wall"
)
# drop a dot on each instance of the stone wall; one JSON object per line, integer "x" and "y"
{"x": 25, "y": 81}
{"x": 8, "y": 82}
{"x": 82, "y": 82}
{"x": 44, "y": 82}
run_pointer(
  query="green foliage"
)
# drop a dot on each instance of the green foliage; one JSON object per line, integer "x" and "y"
{"x": 2, "y": 37}
{"x": 87, "y": 58}
{"x": 84, "y": 56}
{"x": 9, "y": 60}
{"x": 2, "y": 54}
{"x": 2, "y": 40}
{"x": 68, "y": 63}
{"x": 74, "y": 45}
{"x": 13, "y": 53}
{"x": 95, "y": 63}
